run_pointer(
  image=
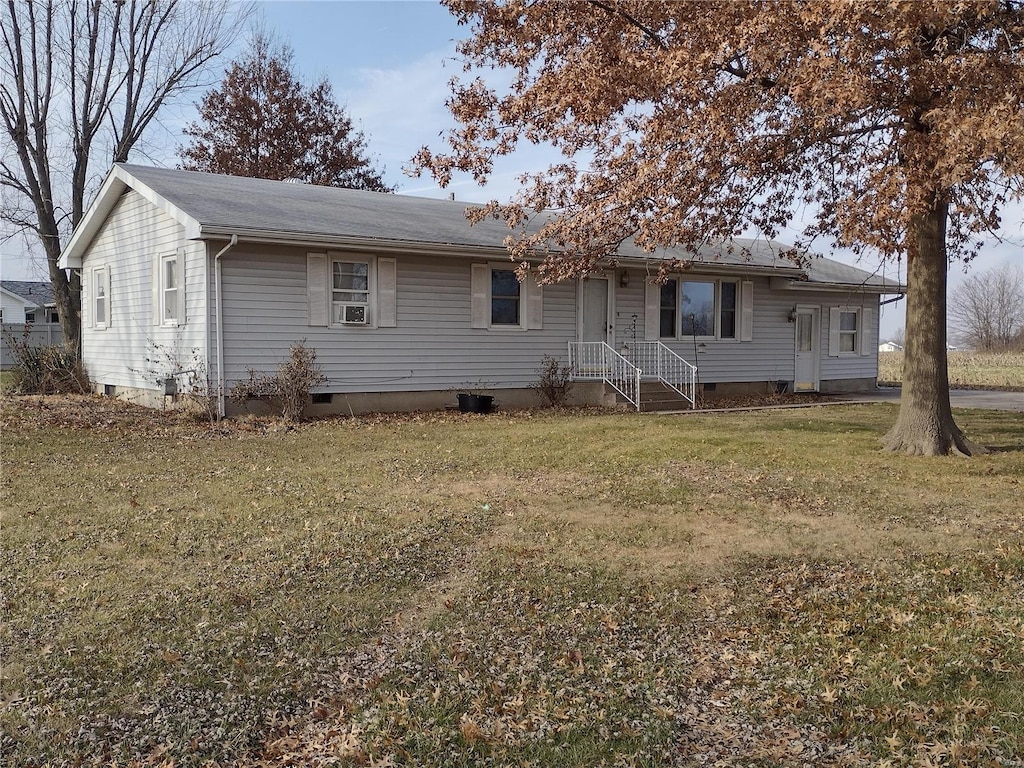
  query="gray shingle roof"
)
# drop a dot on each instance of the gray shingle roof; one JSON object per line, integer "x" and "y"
{"x": 226, "y": 204}
{"x": 39, "y": 293}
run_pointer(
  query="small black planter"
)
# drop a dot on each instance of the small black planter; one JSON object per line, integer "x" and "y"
{"x": 475, "y": 403}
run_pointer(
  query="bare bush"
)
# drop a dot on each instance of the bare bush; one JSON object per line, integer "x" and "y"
{"x": 45, "y": 369}
{"x": 290, "y": 388}
{"x": 555, "y": 381}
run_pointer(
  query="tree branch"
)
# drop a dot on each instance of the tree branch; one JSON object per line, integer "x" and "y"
{"x": 618, "y": 11}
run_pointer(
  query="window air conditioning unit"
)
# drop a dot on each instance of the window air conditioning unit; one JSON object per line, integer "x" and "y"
{"x": 353, "y": 314}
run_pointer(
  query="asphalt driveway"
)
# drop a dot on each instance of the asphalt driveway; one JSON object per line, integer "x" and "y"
{"x": 958, "y": 398}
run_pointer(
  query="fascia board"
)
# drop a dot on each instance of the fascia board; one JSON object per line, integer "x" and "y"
{"x": 710, "y": 268}
{"x": 335, "y": 242}
{"x": 117, "y": 181}
{"x": 786, "y": 284}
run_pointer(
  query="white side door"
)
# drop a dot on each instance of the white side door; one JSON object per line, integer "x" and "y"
{"x": 808, "y": 357}
{"x": 595, "y": 314}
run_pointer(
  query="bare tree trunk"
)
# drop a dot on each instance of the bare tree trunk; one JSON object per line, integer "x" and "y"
{"x": 120, "y": 62}
{"x": 925, "y": 424}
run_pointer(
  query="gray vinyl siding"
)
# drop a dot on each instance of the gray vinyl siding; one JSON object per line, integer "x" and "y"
{"x": 134, "y": 234}
{"x": 432, "y": 347}
{"x": 770, "y": 355}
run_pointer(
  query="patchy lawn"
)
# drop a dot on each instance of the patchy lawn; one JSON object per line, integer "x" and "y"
{"x": 575, "y": 588}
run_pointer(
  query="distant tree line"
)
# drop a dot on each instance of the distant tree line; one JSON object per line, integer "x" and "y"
{"x": 987, "y": 311}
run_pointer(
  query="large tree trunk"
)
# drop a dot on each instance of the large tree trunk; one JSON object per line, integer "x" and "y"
{"x": 67, "y": 295}
{"x": 925, "y": 424}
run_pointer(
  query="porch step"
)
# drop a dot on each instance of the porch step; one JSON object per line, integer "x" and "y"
{"x": 655, "y": 396}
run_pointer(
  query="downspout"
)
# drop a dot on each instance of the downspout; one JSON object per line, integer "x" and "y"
{"x": 220, "y": 324}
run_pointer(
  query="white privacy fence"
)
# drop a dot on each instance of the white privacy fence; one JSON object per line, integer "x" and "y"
{"x": 37, "y": 335}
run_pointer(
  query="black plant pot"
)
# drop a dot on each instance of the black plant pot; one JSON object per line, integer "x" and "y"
{"x": 475, "y": 403}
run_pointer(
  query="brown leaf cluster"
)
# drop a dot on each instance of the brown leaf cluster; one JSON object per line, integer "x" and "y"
{"x": 692, "y": 122}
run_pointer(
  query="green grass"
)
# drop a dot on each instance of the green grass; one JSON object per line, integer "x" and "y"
{"x": 557, "y": 588}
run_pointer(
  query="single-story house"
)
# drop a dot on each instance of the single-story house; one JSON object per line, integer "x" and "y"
{"x": 27, "y": 312}
{"x": 890, "y": 346}
{"x": 407, "y": 304}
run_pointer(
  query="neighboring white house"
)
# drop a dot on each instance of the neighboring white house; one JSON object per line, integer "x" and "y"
{"x": 889, "y": 346}
{"x": 406, "y": 303}
{"x": 27, "y": 312}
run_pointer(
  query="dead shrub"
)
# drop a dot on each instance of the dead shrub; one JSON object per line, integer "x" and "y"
{"x": 290, "y": 388}
{"x": 554, "y": 382}
{"x": 45, "y": 369}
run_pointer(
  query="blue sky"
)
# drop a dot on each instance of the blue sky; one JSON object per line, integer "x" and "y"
{"x": 389, "y": 62}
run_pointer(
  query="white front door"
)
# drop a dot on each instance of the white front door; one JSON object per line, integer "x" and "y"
{"x": 595, "y": 324}
{"x": 808, "y": 331}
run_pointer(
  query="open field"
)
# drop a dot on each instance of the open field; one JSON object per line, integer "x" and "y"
{"x": 967, "y": 370}
{"x": 546, "y": 589}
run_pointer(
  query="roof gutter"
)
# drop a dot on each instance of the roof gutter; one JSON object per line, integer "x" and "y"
{"x": 218, "y": 297}
{"x": 341, "y": 243}
{"x": 788, "y": 284}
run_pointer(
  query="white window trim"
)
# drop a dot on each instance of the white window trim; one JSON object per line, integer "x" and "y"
{"x": 853, "y": 333}
{"x": 521, "y": 325}
{"x": 160, "y": 289}
{"x": 371, "y": 289}
{"x": 99, "y": 276}
{"x": 172, "y": 258}
{"x": 862, "y": 345}
{"x": 717, "y": 335}
{"x": 531, "y": 300}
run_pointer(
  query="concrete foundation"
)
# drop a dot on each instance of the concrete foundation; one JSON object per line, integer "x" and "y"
{"x": 582, "y": 393}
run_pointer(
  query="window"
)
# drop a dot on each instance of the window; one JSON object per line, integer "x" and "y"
{"x": 851, "y": 332}
{"x": 52, "y": 316}
{"x": 498, "y": 300}
{"x": 505, "y": 297}
{"x": 668, "y": 308}
{"x": 702, "y": 308}
{"x": 169, "y": 287}
{"x": 848, "y": 332}
{"x": 727, "y": 311}
{"x": 100, "y": 285}
{"x": 350, "y": 292}
{"x": 30, "y": 317}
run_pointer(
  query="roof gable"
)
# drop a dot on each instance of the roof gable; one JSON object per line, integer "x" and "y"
{"x": 32, "y": 293}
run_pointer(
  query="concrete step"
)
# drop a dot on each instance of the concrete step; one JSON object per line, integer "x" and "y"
{"x": 655, "y": 396}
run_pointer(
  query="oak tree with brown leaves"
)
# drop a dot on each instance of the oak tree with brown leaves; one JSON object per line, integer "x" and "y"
{"x": 897, "y": 127}
{"x": 262, "y": 122}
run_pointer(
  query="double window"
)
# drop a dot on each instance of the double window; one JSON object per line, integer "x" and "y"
{"x": 701, "y": 308}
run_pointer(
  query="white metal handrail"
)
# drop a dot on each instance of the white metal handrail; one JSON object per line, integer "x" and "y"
{"x": 659, "y": 362}
{"x": 596, "y": 360}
